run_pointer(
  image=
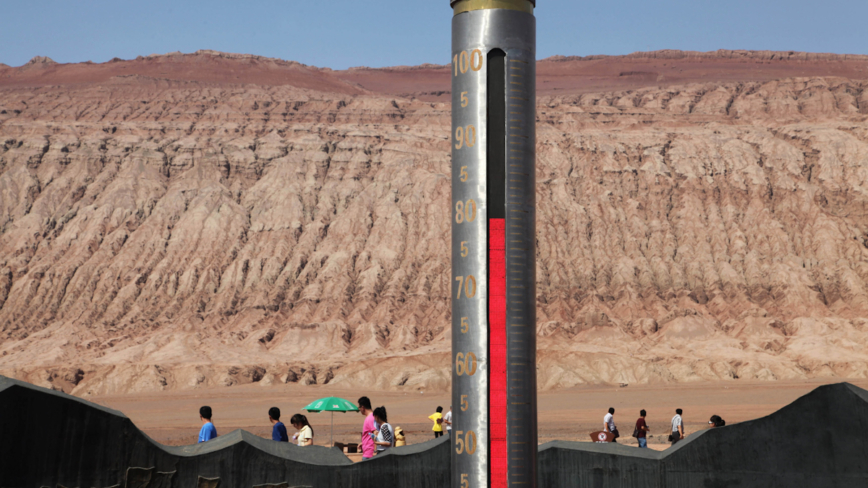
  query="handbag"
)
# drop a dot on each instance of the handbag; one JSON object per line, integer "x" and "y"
{"x": 636, "y": 432}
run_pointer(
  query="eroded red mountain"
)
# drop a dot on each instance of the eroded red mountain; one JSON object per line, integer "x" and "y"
{"x": 210, "y": 219}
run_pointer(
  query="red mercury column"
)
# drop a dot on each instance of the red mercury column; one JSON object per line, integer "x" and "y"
{"x": 497, "y": 351}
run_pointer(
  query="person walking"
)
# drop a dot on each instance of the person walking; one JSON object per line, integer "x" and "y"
{"x": 369, "y": 431}
{"x": 437, "y": 418}
{"x": 447, "y": 420}
{"x": 386, "y": 435}
{"x": 208, "y": 431}
{"x": 677, "y": 427}
{"x": 305, "y": 431}
{"x": 609, "y": 424}
{"x": 716, "y": 421}
{"x": 642, "y": 429}
{"x": 278, "y": 432}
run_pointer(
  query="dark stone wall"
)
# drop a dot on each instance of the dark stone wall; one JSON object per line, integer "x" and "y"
{"x": 52, "y": 439}
{"x": 49, "y": 438}
{"x": 818, "y": 441}
{"x": 598, "y": 465}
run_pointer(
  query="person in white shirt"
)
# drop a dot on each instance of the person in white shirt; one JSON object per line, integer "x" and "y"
{"x": 609, "y": 424}
{"x": 447, "y": 419}
{"x": 677, "y": 427}
{"x": 385, "y": 434}
{"x": 304, "y": 436}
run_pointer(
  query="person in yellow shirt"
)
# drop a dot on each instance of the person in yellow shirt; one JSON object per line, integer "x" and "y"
{"x": 437, "y": 418}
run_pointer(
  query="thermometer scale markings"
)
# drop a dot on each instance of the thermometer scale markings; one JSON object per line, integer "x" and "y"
{"x": 518, "y": 140}
{"x": 493, "y": 244}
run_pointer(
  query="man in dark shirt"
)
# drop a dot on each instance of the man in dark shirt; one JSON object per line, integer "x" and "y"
{"x": 278, "y": 433}
{"x": 642, "y": 429}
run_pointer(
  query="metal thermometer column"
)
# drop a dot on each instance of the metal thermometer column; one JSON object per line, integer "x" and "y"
{"x": 494, "y": 434}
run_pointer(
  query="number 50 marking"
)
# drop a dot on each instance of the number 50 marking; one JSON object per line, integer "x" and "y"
{"x": 468, "y": 444}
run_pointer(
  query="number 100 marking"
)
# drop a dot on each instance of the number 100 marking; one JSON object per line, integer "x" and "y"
{"x": 463, "y": 61}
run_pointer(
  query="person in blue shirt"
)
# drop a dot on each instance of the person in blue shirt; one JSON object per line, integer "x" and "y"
{"x": 207, "y": 432}
{"x": 278, "y": 433}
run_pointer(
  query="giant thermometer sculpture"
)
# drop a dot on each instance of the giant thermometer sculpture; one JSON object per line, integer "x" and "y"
{"x": 494, "y": 433}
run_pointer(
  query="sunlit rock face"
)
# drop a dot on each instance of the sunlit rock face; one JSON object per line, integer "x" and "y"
{"x": 185, "y": 221}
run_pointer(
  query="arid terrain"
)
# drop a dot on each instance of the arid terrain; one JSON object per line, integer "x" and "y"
{"x": 196, "y": 221}
{"x": 171, "y": 417}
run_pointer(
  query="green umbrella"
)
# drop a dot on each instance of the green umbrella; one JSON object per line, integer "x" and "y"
{"x": 331, "y": 404}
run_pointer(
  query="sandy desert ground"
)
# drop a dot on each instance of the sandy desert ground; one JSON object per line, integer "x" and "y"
{"x": 171, "y": 417}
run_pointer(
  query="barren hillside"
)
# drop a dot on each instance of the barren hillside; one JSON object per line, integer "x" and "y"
{"x": 181, "y": 221}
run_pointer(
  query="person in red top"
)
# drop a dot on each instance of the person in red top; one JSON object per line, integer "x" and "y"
{"x": 642, "y": 429}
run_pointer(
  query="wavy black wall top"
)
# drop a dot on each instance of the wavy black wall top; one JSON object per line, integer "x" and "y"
{"x": 49, "y": 438}
{"x": 820, "y": 440}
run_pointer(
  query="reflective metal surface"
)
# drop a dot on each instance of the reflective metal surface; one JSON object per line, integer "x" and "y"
{"x": 512, "y": 31}
{"x": 461, "y": 6}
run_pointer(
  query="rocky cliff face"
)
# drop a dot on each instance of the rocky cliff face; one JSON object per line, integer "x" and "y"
{"x": 163, "y": 226}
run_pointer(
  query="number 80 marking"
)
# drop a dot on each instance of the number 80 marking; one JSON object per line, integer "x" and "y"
{"x": 465, "y": 212}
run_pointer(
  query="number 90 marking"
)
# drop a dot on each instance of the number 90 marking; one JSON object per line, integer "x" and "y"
{"x": 465, "y": 137}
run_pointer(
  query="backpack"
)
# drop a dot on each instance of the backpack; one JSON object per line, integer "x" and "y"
{"x": 399, "y": 437}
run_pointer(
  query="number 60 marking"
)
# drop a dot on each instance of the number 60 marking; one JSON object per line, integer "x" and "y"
{"x": 465, "y": 364}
